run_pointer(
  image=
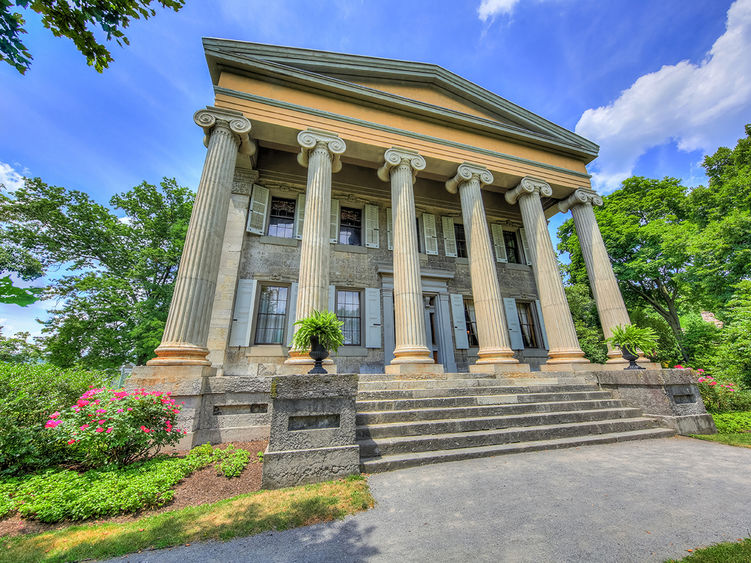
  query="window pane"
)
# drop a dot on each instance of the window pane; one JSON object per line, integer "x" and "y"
{"x": 471, "y": 320}
{"x": 512, "y": 253}
{"x": 461, "y": 240}
{"x": 272, "y": 313}
{"x": 348, "y": 311}
{"x": 526, "y": 323}
{"x": 350, "y": 226}
{"x": 282, "y": 217}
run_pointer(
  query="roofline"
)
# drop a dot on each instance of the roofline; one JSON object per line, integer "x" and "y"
{"x": 275, "y": 61}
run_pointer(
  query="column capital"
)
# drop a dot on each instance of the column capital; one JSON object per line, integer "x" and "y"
{"x": 466, "y": 172}
{"x": 312, "y": 138}
{"x": 581, "y": 196}
{"x": 528, "y": 186}
{"x": 396, "y": 156}
{"x": 239, "y": 125}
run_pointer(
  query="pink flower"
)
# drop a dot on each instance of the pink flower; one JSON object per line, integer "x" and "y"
{"x": 71, "y": 441}
{"x": 99, "y": 429}
{"x": 119, "y": 410}
{"x": 52, "y": 423}
{"x": 55, "y": 414}
{"x": 100, "y": 421}
{"x": 702, "y": 380}
{"x": 679, "y": 366}
{"x": 700, "y": 370}
{"x": 108, "y": 430}
{"x": 84, "y": 427}
{"x": 713, "y": 383}
{"x": 130, "y": 408}
{"x": 101, "y": 411}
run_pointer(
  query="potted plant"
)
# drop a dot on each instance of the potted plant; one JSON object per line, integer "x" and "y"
{"x": 319, "y": 333}
{"x": 630, "y": 339}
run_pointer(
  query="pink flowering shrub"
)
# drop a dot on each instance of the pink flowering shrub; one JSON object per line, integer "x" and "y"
{"x": 722, "y": 397}
{"x": 112, "y": 426}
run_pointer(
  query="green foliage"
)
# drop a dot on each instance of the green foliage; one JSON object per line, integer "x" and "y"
{"x": 667, "y": 352}
{"x": 699, "y": 337}
{"x": 113, "y": 303}
{"x": 324, "y": 325}
{"x": 110, "y": 426}
{"x": 722, "y": 397}
{"x": 732, "y": 422}
{"x": 62, "y": 494}
{"x": 29, "y": 394}
{"x": 587, "y": 323}
{"x": 632, "y": 338}
{"x": 21, "y": 296}
{"x": 75, "y": 20}
{"x": 17, "y": 349}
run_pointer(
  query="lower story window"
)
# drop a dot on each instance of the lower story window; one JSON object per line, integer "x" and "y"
{"x": 272, "y": 312}
{"x": 471, "y": 320}
{"x": 348, "y": 311}
{"x": 461, "y": 240}
{"x": 527, "y": 325}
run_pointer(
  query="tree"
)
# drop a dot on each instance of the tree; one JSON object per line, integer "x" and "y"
{"x": 648, "y": 237}
{"x": 587, "y": 323}
{"x": 17, "y": 349}
{"x": 74, "y": 19}
{"x": 113, "y": 299}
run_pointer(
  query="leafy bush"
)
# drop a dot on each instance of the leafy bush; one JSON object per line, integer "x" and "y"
{"x": 633, "y": 338}
{"x": 722, "y": 397}
{"x": 324, "y": 325}
{"x": 110, "y": 426}
{"x": 28, "y": 395}
{"x": 733, "y": 422}
{"x": 62, "y": 494}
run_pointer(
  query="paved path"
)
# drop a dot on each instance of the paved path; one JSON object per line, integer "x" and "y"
{"x": 635, "y": 501}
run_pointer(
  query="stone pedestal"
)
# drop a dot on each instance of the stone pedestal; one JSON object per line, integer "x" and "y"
{"x": 401, "y": 167}
{"x": 564, "y": 351}
{"x": 312, "y": 430}
{"x": 494, "y": 346}
{"x": 669, "y": 395}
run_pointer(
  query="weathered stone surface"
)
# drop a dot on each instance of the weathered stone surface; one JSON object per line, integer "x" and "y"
{"x": 299, "y": 467}
{"x": 314, "y": 386}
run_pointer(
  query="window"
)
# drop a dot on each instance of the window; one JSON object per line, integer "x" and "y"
{"x": 512, "y": 247}
{"x": 350, "y": 226}
{"x": 527, "y": 325}
{"x": 282, "y": 218}
{"x": 461, "y": 240}
{"x": 348, "y": 311}
{"x": 471, "y": 320}
{"x": 272, "y": 312}
{"x": 420, "y": 245}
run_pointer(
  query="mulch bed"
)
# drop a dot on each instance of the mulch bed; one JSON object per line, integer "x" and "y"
{"x": 202, "y": 487}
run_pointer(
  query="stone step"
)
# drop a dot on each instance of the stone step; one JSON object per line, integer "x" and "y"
{"x": 464, "y": 383}
{"x": 400, "y": 461}
{"x": 470, "y": 411}
{"x": 449, "y": 426}
{"x": 537, "y": 375}
{"x": 373, "y": 447}
{"x": 404, "y": 400}
{"x": 464, "y": 391}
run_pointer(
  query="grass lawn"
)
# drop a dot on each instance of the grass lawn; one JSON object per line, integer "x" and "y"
{"x": 730, "y": 552}
{"x": 742, "y": 440}
{"x": 243, "y": 515}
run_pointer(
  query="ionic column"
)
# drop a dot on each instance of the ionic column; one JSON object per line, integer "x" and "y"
{"x": 401, "y": 168}
{"x": 564, "y": 345}
{"x": 186, "y": 331}
{"x": 319, "y": 152}
{"x": 610, "y": 305}
{"x": 491, "y": 319}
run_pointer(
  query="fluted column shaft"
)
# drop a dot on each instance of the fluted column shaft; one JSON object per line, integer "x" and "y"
{"x": 561, "y": 333}
{"x": 186, "y": 331}
{"x": 401, "y": 166}
{"x": 320, "y": 153}
{"x": 602, "y": 280}
{"x": 491, "y": 322}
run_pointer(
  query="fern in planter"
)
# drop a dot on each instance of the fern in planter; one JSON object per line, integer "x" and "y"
{"x": 630, "y": 339}
{"x": 323, "y": 325}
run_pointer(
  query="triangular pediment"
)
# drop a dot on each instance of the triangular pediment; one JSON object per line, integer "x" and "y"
{"x": 420, "y": 89}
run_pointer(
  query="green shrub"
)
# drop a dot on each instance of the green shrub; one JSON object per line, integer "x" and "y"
{"x": 28, "y": 395}
{"x": 722, "y": 397}
{"x": 113, "y": 426}
{"x": 733, "y": 422}
{"x": 55, "y": 495}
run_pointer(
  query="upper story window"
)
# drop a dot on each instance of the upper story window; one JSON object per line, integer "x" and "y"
{"x": 461, "y": 240}
{"x": 512, "y": 247}
{"x": 282, "y": 217}
{"x": 350, "y": 226}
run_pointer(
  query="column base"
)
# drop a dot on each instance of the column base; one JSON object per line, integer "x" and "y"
{"x": 416, "y": 355}
{"x": 498, "y": 369}
{"x": 414, "y": 369}
{"x": 496, "y": 356}
{"x": 180, "y": 355}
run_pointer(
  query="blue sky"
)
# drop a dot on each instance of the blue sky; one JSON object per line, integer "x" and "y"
{"x": 656, "y": 84}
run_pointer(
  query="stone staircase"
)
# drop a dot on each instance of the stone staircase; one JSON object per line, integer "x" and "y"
{"x": 407, "y": 422}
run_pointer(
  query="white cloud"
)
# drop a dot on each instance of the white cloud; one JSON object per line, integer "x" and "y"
{"x": 10, "y": 178}
{"x": 491, "y": 8}
{"x": 697, "y": 106}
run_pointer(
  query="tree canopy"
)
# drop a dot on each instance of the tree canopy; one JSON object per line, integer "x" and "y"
{"x": 113, "y": 273}
{"x": 77, "y": 20}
